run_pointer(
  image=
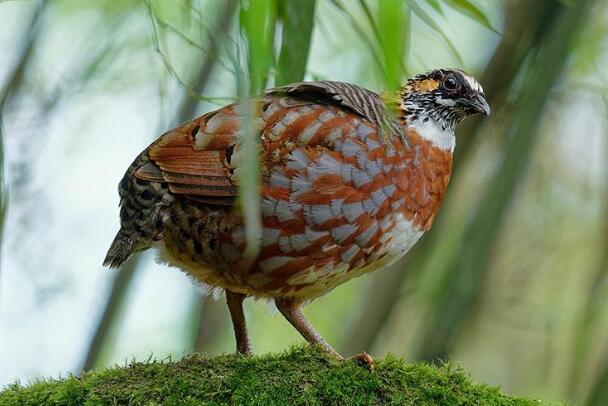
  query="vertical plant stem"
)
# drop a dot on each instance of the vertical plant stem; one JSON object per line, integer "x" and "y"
{"x": 298, "y": 21}
{"x": 393, "y": 25}
{"x": 257, "y": 19}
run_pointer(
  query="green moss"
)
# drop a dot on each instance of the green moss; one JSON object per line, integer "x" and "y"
{"x": 302, "y": 376}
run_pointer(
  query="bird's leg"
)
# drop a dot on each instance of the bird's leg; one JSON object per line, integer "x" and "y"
{"x": 235, "y": 305}
{"x": 291, "y": 310}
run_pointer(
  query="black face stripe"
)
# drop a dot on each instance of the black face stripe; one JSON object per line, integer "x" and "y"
{"x": 463, "y": 87}
{"x": 441, "y": 104}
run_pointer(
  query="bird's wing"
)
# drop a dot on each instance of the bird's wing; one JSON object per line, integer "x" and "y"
{"x": 364, "y": 102}
{"x": 201, "y": 159}
{"x": 195, "y": 158}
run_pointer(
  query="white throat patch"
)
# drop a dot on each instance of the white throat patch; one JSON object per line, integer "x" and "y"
{"x": 430, "y": 130}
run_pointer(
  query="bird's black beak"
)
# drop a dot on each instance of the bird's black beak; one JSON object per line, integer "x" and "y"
{"x": 476, "y": 104}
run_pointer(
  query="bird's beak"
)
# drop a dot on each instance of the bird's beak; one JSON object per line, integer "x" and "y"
{"x": 477, "y": 104}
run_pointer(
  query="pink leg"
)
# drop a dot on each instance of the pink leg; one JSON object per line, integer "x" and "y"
{"x": 235, "y": 305}
{"x": 291, "y": 310}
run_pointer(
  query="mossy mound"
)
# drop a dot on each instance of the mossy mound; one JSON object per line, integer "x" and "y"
{"x": 301, "y": 376}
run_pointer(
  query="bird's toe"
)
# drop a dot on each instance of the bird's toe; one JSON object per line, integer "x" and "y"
{"x": 365, "y": 360}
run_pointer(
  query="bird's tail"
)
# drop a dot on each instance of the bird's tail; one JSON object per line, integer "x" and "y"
{"x": 143, "y": 213}
{"x": 121, "y": 249}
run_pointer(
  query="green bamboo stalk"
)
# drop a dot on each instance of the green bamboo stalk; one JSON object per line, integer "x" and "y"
{"x": 257, "y": 20}
{"x": 465, "y": 273}
{"x": 393, "y": 31}
{"x": 599, "y": 392}
{"x": 298, "y": 22}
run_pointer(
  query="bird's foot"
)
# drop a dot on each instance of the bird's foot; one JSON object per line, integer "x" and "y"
{"x": 365, "y": 360}
{"x": 246, "y": 351}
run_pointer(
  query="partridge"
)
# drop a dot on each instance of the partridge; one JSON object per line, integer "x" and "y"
{"x": 350, "y": 180}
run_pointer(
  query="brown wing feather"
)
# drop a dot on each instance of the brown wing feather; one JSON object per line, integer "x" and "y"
{"x": 200, "y": 159}
{"x": 364, "y": 102}
{"x": 193, "y": 158}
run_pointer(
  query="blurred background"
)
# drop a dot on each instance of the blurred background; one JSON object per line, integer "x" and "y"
{"x": 510, "y": 284}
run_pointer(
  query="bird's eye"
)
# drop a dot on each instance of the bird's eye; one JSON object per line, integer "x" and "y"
{"x": 450, "y": 83}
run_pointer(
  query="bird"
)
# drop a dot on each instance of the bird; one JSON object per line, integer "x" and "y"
{"x": 350, "y": 179}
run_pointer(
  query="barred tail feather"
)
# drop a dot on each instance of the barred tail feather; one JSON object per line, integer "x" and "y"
{"x": 121, "y": 249}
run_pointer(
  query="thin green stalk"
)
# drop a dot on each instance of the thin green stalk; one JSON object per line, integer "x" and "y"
{"x": 298, "y": 22}
{"x": 393, "y": 25}
{"x": 257, "y": 19}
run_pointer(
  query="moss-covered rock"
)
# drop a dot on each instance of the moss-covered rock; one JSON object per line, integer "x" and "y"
{"x": 302, "y": 376}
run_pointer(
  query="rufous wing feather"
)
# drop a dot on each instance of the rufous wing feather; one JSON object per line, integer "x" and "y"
{"x": 194, "y": 159}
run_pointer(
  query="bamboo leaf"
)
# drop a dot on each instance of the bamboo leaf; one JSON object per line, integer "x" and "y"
{"x": 257, "y": 21}
{"x": 298, "y": 22}
{"x": 249, "y": 181}
{"x": 436, "y": 5}
{"x": 392, "y": 36}
{"x": 468, "y": 8}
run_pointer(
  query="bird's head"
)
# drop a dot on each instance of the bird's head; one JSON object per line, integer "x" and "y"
{"x": 446, "y": 96}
